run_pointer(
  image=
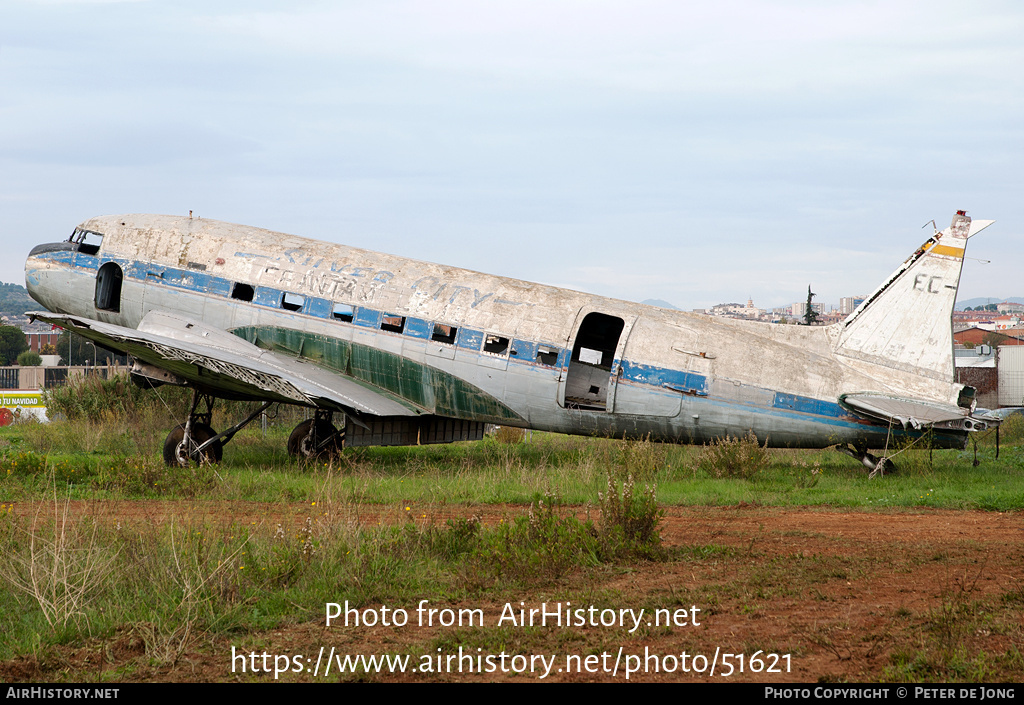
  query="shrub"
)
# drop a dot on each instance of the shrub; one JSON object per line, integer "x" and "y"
{"x": 1012, "y": 429}
{"x": 641, "y": 458}
{"x": 734, "y": 457}
{"x": 23, "y": 463}
{"x": 509, "y": 434}
{"x": 629, "y": 522}
{"x": 30, "y": 359}
{"x": 539, "y": 548}
{"x": 95, "y": 398}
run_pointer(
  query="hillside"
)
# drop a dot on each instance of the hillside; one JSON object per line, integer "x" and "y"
{"x": 15, "y": 301}
{"x": 981, "y": 301}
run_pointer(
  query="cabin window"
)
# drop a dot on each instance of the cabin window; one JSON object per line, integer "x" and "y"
{"x": 292, "y": 302}
{"x": 547, "y": 355}
{"x": 393, "y": 324}
{"x": 108, "y": 287}
{"x": 495, "y": 344}
{"x": 242, "y": 292}
{"x": 444, "y": 334}
{"x": 343, "y": 313}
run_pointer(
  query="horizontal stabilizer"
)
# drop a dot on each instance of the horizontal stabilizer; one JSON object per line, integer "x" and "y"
{"x": 229, "y": 366}
{"x": 910, "y": 413}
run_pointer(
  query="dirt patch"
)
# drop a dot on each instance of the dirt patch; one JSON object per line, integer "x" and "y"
{"x": 794, "y": 595}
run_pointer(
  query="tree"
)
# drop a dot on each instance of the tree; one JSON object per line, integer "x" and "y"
{"x": 73, "y": 350}
{"x": 810, "y": 315}
{"x": 12, "y": 344}
{"x": 83, "y": 352}
{"x": 994, "y": 340}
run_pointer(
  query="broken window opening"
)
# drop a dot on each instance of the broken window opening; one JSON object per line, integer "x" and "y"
{"x": 547, "y": 355}
{"x": 87, "y": 241}
{"x": 343, "y": 313}
{"x": 495, "y": 344}
{"x": 242, "y": 292}
{"x": 444, "y": 334}
{"x": 393, "y": 324}
{"x": 108, "y": 287}
{"x": 292, "y": 302}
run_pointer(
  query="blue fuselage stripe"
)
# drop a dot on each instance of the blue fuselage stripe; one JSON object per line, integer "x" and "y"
{"x": 660, "y": 379}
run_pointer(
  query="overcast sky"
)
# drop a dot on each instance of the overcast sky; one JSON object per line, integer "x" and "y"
{"x": 693, "y": 152}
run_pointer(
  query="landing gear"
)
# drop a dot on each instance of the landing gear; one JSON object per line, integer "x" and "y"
{"x": 185, "y": 446}
{"x": 195, "y": 441}
{"x": 315, "y": 437}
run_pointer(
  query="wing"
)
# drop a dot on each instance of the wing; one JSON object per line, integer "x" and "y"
{"x": 911, "y": 413}
{"x": 227, "y": 365}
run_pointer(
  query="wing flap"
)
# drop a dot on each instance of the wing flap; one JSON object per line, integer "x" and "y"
{"x": 216, "y": 359}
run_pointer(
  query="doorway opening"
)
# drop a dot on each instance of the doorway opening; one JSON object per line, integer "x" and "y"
{"x": 108, "y": 287}
{"x": 590, "y": 368}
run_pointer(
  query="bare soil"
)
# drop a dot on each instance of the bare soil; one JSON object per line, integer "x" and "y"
{"x": 836, "y": 595}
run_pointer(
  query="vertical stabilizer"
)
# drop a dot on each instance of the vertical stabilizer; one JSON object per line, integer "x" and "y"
{"x": 906, "y": 323}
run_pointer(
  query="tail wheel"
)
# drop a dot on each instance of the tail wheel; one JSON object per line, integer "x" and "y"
{"x": 179, "y": 453}
{"x": 313, "y": 438}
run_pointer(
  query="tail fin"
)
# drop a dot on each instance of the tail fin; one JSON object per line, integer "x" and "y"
{"x": 906, "y": 322}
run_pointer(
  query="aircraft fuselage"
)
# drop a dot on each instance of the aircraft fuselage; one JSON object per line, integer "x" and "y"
{"x": 466, "y": 345}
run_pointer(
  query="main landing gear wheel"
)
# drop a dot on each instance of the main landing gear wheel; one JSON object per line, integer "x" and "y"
{"x": 181, "y": 453}
{"x": 314, "y": 438}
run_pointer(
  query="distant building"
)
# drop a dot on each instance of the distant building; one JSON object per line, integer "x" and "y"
{"x": 37, "y": 340}
{"x": 849, "y": 304}
{"x": 798, "y": 309}
{"x": 976, "y": 335}
{"x": 735, "y": 310}
{"x": 977, "y": 368}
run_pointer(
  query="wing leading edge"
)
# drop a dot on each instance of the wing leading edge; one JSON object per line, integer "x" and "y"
{"x": 228, "y": 365}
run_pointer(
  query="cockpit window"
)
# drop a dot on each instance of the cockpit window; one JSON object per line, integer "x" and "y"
{"x": 87, "y": 241}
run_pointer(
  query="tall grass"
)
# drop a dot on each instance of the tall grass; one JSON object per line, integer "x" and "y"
{"x": 169, "y": 582}
{"x": 58, "y": 564}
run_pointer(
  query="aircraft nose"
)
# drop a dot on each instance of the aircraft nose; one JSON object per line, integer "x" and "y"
{"x": 33, "y": 279}
{"x": 38, "y": 262}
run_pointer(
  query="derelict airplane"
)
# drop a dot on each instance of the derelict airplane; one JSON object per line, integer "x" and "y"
{"x": 410, "y": 352}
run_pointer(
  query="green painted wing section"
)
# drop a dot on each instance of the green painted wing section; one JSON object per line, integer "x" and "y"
{"x": 431, "y": 389}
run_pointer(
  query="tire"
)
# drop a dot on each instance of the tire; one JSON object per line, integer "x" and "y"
{"x": 300, "y": 438}
{"x": 174, "y": 452}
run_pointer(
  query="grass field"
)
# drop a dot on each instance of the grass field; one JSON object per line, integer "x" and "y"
{"x": 114, "y": 567}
